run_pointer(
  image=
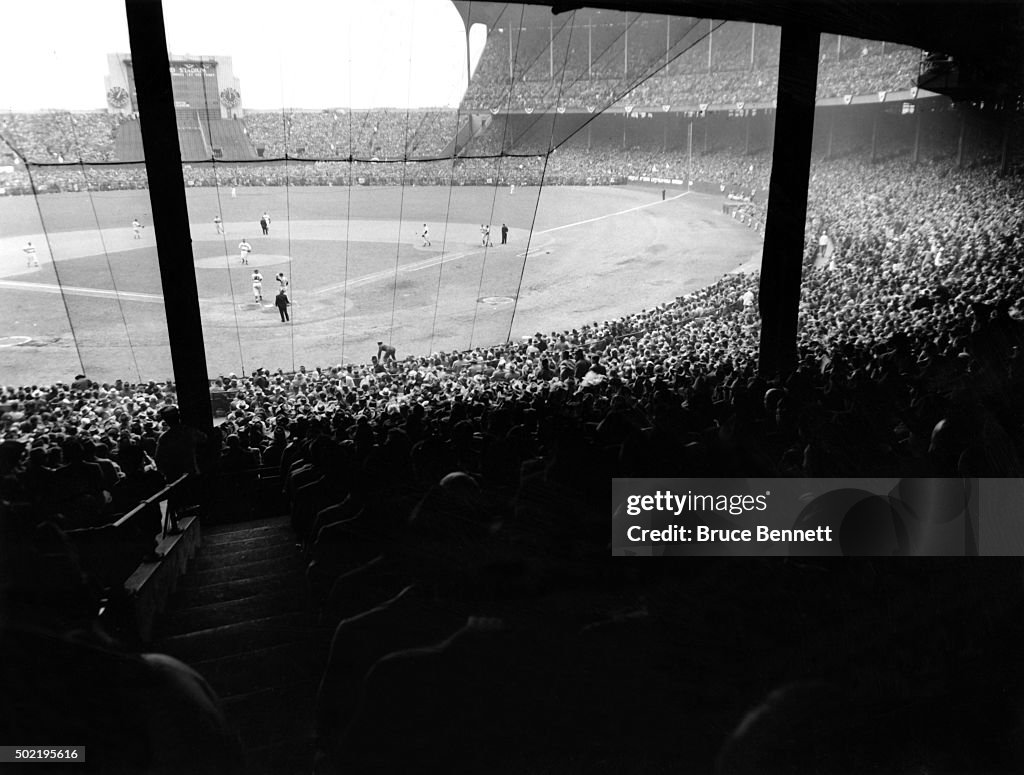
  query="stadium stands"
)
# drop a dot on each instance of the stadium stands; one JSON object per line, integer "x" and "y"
{"x": 228, "y": 139}
{"x": 739, "y": 69}
{"x": 964, "y": 250}
{"x": 451, "y": 538}
{"x": 61, "y": 136}
{"x": 128, "y": 142}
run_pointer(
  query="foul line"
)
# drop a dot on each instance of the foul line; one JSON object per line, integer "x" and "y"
{"x": 612, "y": 215}
{"x": 78, "y": 291}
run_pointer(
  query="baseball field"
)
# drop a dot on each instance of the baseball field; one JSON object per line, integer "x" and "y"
{"x": 357, "y": 267}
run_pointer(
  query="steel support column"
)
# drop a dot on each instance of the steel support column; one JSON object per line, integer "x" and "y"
{"x": 170, "y": 213}
{"x": 787, "y": 200}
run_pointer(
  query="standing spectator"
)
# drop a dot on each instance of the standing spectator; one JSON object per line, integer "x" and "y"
{"x": 747, "y": 299}
{"x": 176, "y": 457}
{"x": 504, "y": 234}
{"x": 176, "y": 447}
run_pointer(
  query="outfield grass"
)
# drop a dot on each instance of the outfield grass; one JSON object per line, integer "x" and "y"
{"x": 358, "y": 270}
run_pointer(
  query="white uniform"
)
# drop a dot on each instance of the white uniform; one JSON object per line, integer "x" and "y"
{"x": 137, "y": 229}
{"x": 257, "y": 286}
{"x": 219, "y": 224}
{"x": 30, "y": 253}
{"x": 244, "y": 248}
{"x": 426, "y": 236}
{"x": 282, "y": 281}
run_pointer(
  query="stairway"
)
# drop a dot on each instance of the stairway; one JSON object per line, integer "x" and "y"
{"x": 241, "y": 617}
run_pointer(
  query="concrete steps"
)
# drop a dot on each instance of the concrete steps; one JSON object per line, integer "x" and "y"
{"x": 242, "y": 618}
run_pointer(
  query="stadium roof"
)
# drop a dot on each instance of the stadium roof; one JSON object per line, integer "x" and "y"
{"x": 986, "y": 33}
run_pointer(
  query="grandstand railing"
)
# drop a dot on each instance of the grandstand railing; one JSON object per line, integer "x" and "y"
{"x": 168, "y": 541}
{"x": 161, "y": 502}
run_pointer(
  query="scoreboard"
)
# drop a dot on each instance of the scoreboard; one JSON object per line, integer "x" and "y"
{"x": 194, "y": 86}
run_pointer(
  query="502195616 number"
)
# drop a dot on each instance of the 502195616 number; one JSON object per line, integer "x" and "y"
{"x": 10, "y": 754}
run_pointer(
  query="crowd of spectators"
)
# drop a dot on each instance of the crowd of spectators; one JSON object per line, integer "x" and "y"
{"x": 734, "y": 72}
{"x": 570, "y": 165}
{"x": 114, "y": 427}
{"x": 456, "y": 503}
{"x": 61, "y": 136}
{"x": 922, "y": 259}
{"x": 363, "y": 134}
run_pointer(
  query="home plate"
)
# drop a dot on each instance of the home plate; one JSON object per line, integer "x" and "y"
{"x": 260, "y": 261}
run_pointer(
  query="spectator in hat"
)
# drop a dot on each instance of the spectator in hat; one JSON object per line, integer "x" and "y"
{"x": 176, "y": 447}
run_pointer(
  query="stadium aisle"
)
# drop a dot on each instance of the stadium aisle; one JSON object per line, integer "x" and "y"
{"x": 241, "y": 618}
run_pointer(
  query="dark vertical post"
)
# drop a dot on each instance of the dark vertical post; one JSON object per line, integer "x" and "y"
{"x": 787, "y": 199}
{"x": 170, "y": 212}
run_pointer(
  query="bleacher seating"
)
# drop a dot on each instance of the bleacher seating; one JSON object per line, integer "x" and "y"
{"x": 230, "y": 139}
{"x": 128, "y": 142}
{"x": 61, "y": 136}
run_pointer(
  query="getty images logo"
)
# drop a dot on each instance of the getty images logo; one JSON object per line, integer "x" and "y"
{"x": 668, "y": 502}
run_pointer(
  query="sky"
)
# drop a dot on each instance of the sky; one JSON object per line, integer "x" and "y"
{"x": 286, "y": 53}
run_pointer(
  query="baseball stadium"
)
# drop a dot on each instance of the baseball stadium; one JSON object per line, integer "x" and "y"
{"x": 321, "y": 353}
